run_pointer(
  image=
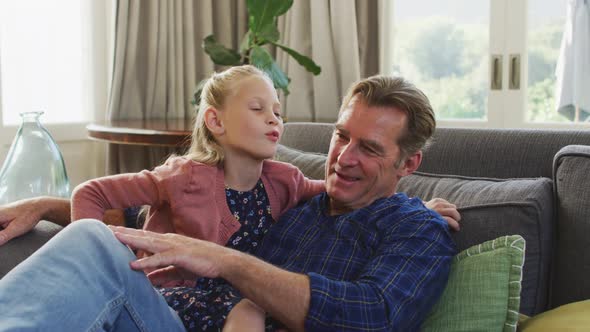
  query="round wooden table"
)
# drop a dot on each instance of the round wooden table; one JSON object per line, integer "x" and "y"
{"x": 153, "y": 132}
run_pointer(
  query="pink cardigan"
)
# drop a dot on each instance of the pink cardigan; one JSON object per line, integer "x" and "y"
{"x": 188, "y": 197}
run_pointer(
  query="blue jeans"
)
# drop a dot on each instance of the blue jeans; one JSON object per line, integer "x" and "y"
{"x": 81, "y": 281}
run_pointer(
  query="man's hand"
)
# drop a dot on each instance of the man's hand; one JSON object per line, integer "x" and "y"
{"x": 17, "y": 219}
{"x": 175, "y": 257}
{"x": 285, "y": 295}
{"x": 20, "y": 217}
{"x": 447, "y": 210}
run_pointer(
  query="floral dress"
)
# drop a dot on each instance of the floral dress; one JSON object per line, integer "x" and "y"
{"x": 206, "y": 306}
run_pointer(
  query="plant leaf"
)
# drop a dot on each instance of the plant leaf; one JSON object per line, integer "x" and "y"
{"x": 262, "y": 13}
{"x": 220, "y": 54}
{"x": 269, "y": 33}
{"x": 245, "y": 43}
{"x": 260, "y": 58}
{"x": 306, "y": 62}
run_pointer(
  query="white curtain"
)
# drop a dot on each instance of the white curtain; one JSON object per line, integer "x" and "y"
{"x": 343, "y": 38}
{"x": 573, "y": 67}
{"x": 158, "y": 61}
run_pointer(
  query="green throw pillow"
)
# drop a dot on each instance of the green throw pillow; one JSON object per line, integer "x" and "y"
{"x": 483, "y": 292}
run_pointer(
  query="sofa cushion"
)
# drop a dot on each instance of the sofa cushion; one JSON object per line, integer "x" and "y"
{"x": 483, "y": 291}
{"x": 311, "y": 164}
{"x": 491, "y": 208}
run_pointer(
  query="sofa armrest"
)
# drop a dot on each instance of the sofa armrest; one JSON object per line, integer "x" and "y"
{"x": 571, "y": 171}
{"x": 16, "y": 250}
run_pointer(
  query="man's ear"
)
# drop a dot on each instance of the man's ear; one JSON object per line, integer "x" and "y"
{"x": 213, "y": 121}
{"x": 411, "y": 164}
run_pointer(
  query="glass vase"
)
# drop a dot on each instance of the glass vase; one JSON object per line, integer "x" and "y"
{"x": 34, "y": 165}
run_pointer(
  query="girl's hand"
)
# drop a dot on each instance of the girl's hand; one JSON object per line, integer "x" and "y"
{"x": 447, "y": 210}
{"x": 175, "y": 257}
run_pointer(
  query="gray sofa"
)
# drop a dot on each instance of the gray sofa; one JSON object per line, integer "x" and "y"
{"x": 535, "y": 183}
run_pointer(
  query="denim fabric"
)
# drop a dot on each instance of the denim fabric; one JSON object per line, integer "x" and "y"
{"x": 81, "y": 281}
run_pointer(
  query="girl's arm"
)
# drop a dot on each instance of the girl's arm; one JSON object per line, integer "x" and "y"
{"x": 93, "y": 198}
{"x": 294, "y": 186}
{"x": 312, "y": 188}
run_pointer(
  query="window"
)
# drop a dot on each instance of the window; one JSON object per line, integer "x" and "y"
{"x": 442, "y": 47}
{"x": 454, "y": 49}
{"x": 44, "y": 60}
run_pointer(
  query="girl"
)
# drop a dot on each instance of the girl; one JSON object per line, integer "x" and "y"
{"x": 224, "y": 190}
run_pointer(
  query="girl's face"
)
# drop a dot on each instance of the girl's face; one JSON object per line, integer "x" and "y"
{"x": 251, "y": 118}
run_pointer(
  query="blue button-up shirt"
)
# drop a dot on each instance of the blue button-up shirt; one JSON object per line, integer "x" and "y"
{"x": 379, "y": 268}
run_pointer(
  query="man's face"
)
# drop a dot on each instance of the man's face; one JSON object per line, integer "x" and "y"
{"x": 363, "y": 154}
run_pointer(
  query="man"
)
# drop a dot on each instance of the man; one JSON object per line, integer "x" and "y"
{"x": 359, "y": 257}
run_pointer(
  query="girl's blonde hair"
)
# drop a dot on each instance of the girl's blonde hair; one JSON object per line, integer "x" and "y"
{"x": 204, "y": 148}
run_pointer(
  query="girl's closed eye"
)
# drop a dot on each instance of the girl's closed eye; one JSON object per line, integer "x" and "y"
{"x": 256, "y": 107}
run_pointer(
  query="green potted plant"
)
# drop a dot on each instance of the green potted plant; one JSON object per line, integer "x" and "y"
{"x": 262, "y": 30}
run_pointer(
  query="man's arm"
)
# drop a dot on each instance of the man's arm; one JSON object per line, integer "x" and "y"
{"x": 21, "y": 216}
{"x": 396, "y": 289}
{"x": 54, "y": 209}
{"x": 285, "y": 295}
{"x": 400, "y": 281}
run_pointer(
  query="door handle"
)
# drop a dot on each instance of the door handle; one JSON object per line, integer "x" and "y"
{"x": 496, "y": 71}
{"x": 514, "y": 82}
